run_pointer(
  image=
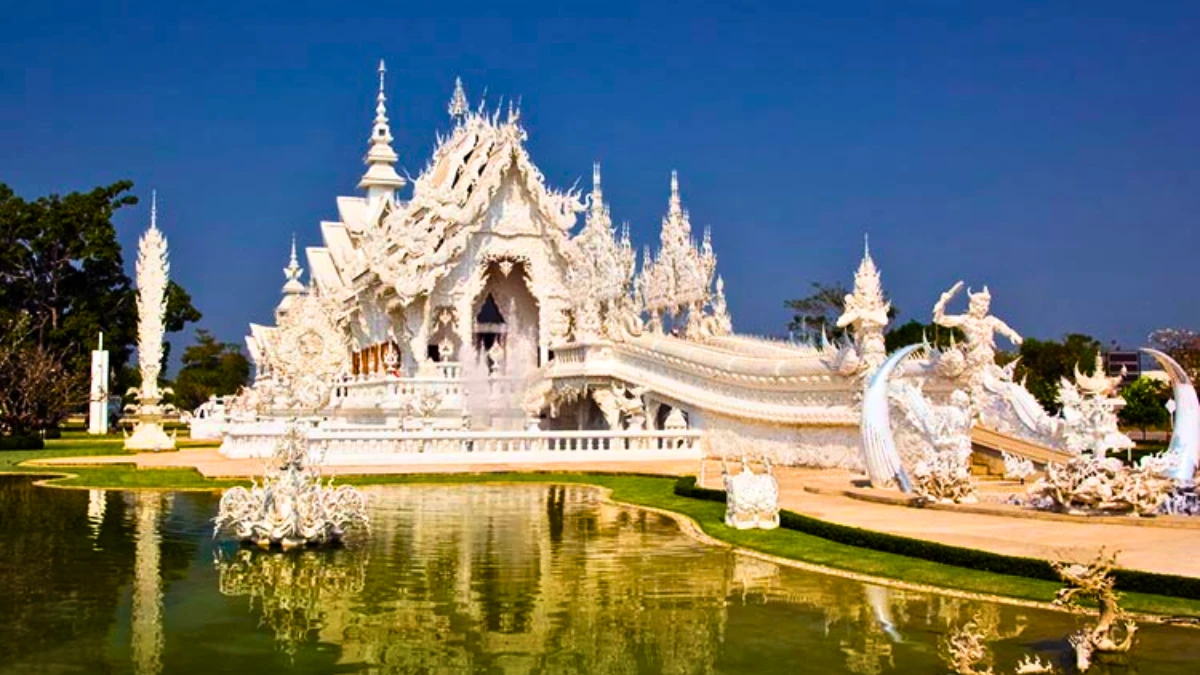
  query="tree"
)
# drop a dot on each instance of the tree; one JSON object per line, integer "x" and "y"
{"x": 914, "y": 332}
{"x": 62, "y": 276}
{"x": 821, "y": 310}
{"x": 1045, "y": 362}
{"x": 1181, "y": 344}
{"x": 210, "y": 368}
{"x": 1145, "y": 404}
{"x": 36, "y": 390}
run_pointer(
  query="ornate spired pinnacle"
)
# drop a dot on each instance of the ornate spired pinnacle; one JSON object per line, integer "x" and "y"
{"x": 597, "y": 190}
{"x": 292, "y": 273}
{"x": 866, "y": 312}
{"x": 458, "y": 101}
{"x": 381, "y": 177}
{"x": 676, "y": 205}
{"x": 152, "y": 269}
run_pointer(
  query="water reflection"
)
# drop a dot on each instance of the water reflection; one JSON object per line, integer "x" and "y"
{"x": 457, "y": 579}
{"x": 291, "y": 591}
{"x": 147, "y": 625}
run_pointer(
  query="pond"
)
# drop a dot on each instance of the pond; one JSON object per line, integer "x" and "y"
{"x": 464, "y": 579}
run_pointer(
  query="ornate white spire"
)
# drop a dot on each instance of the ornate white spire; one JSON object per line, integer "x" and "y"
{"x": 152, "y": 270}
{"x": 866, "y": 312}
{"x": 458, "y": 101}
{"x": 293, "y": 272}
{"x": 597, "y": 190}
{"x": 381, "y": 178}
{"x": 676, "y": 205}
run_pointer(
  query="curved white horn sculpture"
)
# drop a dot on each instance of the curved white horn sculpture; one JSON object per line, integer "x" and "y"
{"x": 879, "y": 446}
{"x": 1185, "y": 437}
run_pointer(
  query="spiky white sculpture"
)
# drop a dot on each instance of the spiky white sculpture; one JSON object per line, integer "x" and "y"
{"x": 941, "y": 470}
{"x": 1094, "y": 582}
{"x": 152, "y": 269}
{"x": 292, "y": 506}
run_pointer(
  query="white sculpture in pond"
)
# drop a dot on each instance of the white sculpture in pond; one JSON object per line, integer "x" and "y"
{"x": 152, "y": 269}
{"x": 292, "y": 506}
{"x": 751, "y": 499}
{"x": 882, "y": 459}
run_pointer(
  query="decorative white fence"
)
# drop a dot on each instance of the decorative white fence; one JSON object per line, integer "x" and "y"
{"x": 354, "y": 447}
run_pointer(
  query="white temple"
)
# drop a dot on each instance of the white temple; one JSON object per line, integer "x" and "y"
{"x": 475, "y": 316}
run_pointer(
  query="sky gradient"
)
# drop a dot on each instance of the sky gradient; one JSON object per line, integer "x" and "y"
{"x": 1050, "y": 152}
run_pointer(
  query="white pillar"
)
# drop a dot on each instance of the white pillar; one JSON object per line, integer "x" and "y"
{"x": 98, "y": 397}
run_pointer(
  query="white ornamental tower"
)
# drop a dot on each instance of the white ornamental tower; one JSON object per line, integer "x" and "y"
{"x": 381, "y": 179}
{"x": 152, "y": 269}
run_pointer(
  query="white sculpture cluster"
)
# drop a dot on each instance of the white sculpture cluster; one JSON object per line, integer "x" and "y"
{"x": 292, "y": 506}
{"x": 941, "y": 470}
{"x": 152, "y": 269}
{"x": 677, "y": 283}
{"x": 751, "y": 499}
{"x": 601, "y": 275}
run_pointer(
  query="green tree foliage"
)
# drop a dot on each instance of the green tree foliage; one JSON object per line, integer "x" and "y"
{"x": 914, "y": 332}
{"x": 62, "y": 276}
{"x": 1145, "y": 404}
{"x": 821, "y": 309}
{"x": 210, "y": 368}
{"x": 1045, "y": 362}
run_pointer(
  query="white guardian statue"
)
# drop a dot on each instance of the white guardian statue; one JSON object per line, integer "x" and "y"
{"x": 152, "y": 268}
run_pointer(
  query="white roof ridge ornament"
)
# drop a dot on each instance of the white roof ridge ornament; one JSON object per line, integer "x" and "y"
{"x": 381, "y": 178}
{"x": 293, "y": 273}
{"x": 458, "y": 106}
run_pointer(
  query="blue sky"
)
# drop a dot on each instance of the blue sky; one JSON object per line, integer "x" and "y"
{"x": 1046, "y": 149}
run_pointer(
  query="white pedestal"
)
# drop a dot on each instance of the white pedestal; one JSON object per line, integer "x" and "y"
{"x": 149, "y": 436}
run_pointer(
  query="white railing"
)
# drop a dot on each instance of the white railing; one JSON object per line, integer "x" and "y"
{"x": 354, "y": 447}
{"x": 393, "y": 392}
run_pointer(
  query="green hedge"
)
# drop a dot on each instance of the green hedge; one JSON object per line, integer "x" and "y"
{"x": 1130, "y": 581}
{"x": 21, "y": 443}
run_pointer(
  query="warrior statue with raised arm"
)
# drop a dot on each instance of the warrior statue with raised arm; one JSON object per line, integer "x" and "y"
{"x": 979, "y": 328}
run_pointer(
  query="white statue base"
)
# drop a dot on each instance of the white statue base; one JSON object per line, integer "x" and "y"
{"x": 149, "y": 435}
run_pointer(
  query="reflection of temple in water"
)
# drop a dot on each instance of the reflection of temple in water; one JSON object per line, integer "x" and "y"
{"x": 551, "y": 579}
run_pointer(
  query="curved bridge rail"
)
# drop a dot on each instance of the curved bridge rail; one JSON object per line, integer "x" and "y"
{"x": 800, "y": 390}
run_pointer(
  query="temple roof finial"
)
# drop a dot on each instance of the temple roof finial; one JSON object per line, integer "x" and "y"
{"x": 866, "y": 245}
{"x": 597, "y": 189}
{"x": 293, "y": 272}
{"x": 676, "y": 203}
{"x": 154, "y": 209}
{"x": 458, "y": 101}
{"x": 381, "y": 177}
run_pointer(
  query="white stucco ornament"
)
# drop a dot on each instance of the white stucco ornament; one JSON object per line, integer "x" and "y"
{"x": 751, "y": 499}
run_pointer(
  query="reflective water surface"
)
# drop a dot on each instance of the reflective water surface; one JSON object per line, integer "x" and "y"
{"x": 462, "y": 579}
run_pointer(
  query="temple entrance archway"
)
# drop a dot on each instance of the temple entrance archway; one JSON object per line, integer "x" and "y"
{"x": 506, "y": 326}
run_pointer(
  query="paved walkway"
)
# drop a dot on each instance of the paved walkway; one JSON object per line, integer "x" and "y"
{"x": 1171, "y": 550}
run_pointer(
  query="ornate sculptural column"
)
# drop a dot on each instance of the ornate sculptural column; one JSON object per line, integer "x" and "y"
{"x": 152, "y": 268}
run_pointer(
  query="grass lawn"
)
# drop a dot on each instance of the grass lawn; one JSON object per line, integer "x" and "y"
{"x": 653, "y": 491}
